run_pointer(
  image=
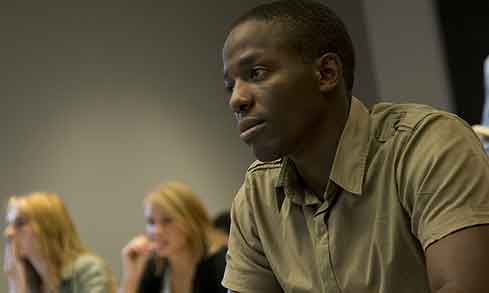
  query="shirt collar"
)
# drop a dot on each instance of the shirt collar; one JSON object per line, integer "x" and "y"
{"x": 350, "y": 161}
{"x": 349, "y": 165}
{"x": 291, "y": 184}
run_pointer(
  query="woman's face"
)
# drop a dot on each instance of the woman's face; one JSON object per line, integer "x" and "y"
{"x": 20, "y": 233}
{"x": 167, "y": 235}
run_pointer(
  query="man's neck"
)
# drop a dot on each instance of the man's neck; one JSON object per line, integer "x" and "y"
{"x": 315, "y": 162}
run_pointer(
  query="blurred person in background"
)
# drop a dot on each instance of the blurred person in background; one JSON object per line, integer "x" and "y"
{"x": 222, "y": 222}
{"x": 181, "y": 251}
{"x": 44, "y": 253}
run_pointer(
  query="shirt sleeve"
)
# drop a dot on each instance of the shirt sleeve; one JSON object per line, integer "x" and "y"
{"x": 247, "y": 268}
{"x": 443, "y": 177}
{"x": 92, "y": 276}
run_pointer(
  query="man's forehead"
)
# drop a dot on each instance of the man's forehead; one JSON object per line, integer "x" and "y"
{"x": 244, "y": 35}
{"x": 256, "y": 33}
{"x": 250, "y": 39}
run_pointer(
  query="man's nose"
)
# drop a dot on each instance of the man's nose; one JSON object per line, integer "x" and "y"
{"x": 241, "y": 99}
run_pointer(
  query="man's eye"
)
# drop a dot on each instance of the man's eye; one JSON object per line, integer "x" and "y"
{"x": 257, "y": 74}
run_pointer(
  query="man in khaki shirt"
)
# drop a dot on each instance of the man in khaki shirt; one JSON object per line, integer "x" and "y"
{"x": 343, "y": 199}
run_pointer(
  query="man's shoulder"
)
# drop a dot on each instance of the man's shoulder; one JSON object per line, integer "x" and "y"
{"x": 393, "y": 116}
{"x": 260, "y": 182}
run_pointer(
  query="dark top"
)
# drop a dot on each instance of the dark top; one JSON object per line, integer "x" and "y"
{"x": 207, "y": 279}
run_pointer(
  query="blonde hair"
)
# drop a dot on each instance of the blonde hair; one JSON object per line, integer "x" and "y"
{"x": 184, "y": 206}
{"x": 58, "y": 240}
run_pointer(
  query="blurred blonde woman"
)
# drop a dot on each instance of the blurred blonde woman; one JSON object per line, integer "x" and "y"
{"x": 43, "y": 252}
{"x": 181, "y": 252}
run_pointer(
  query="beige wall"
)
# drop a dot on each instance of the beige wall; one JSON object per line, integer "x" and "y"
{"x": 102, "y": 101}
{"x": 407, "y": 52}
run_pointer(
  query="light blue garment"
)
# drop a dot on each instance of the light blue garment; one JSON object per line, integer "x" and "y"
{"x": 485, "y": 112}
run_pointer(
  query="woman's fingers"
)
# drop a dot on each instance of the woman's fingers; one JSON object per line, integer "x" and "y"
{"x": 138, "y": 246}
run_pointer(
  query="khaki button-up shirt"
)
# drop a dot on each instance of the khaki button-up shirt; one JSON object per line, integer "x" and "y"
{"x": 403, "y": 177}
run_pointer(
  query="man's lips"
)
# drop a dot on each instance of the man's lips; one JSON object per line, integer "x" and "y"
{"x": 249, "y": 127}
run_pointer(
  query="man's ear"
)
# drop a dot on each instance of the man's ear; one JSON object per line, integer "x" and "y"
{"x": 330, "y": 71}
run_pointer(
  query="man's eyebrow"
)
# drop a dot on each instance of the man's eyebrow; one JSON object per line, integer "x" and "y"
{"x": 247, "y": 59}
{"x": 244, "y": 60}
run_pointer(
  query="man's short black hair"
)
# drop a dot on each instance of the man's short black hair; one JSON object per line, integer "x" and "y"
{"x": 314, "y": 29}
